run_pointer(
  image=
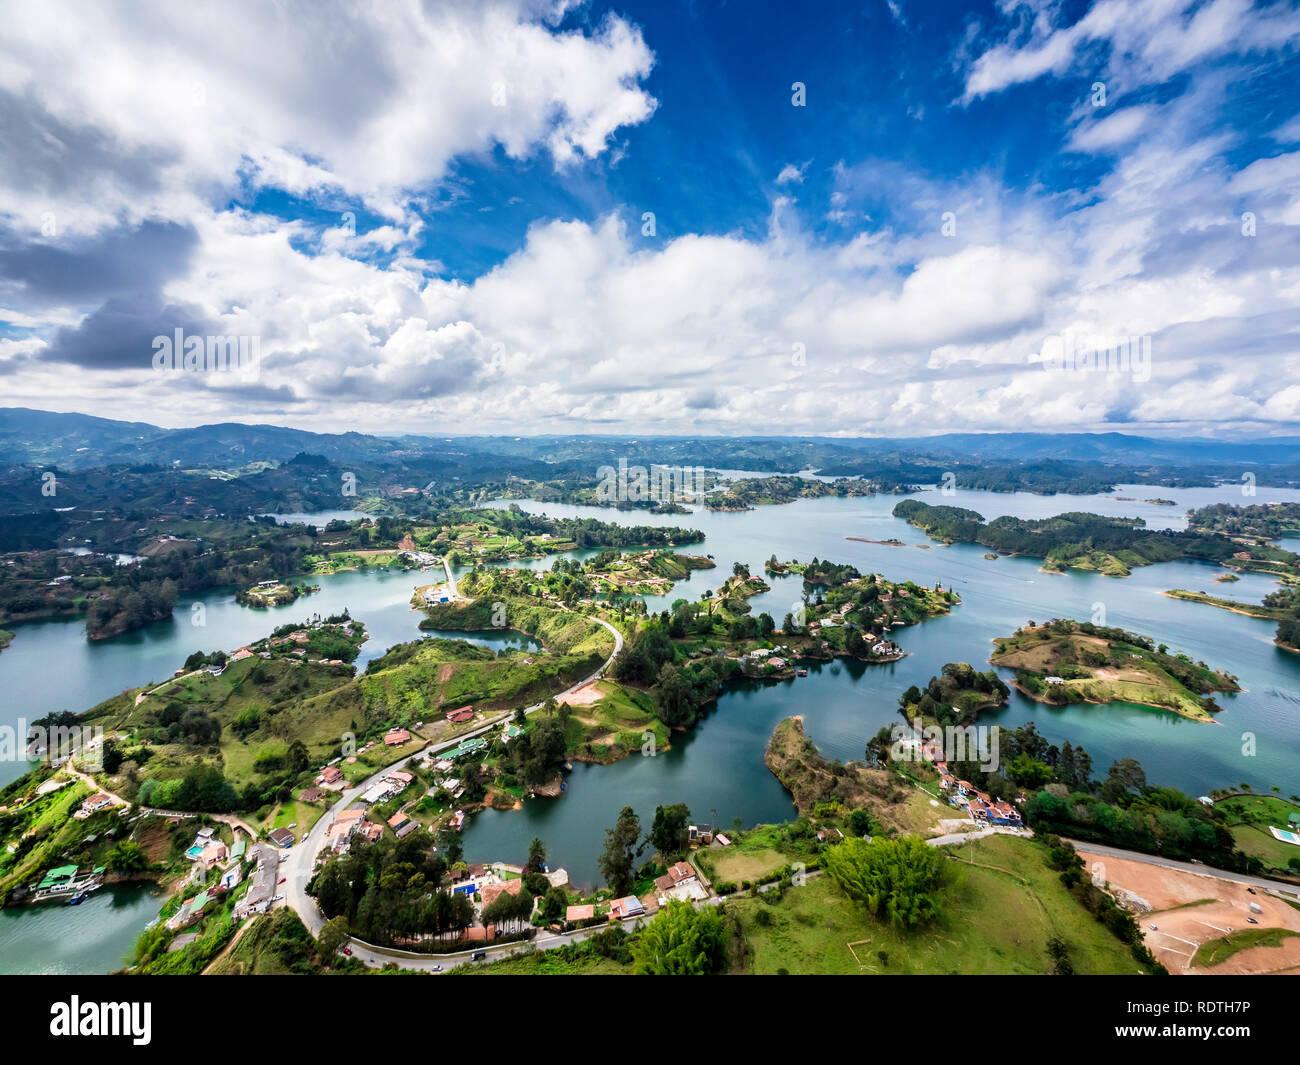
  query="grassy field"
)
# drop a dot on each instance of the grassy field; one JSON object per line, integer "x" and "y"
{"x": 1216, "y": 951}
{"x": 615, "y": 724}
{"x": 1249, "y": 819}
{"x": 997, "y": 918}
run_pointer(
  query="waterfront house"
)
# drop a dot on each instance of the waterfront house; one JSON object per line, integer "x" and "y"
{"x": 699, "y": 834}
{"x": 492, "y": 892}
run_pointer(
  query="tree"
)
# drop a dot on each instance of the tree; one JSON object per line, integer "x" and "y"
{"x": 898, "y": 879}
{"x": 536, "y": 856}
{"x": 680, "y": 941}
{"x": 128, "y": 857}
{"x": 668, "y": 830}
{"x": 621, "y": 851}
{"x": 1125, "y": 776}
{"x": 555, "y": 904}
{"x": 333, "y": 936}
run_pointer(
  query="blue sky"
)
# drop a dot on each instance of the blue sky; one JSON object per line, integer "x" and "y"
{"x": 431, "y": 219}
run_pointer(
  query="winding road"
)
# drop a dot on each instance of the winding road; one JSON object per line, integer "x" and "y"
{"x": 302, "y": 857}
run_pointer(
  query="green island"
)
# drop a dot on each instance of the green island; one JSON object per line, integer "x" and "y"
{"x": 954, "y": 697}
{"x": 749, "y": 492}
{"x": 271, "y": 593}
{"x": 1107, "y": 545}
{"x": 1064, "y": 661}
{"x": 1252, "y": 610}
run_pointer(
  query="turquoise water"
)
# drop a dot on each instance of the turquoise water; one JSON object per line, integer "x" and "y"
{"x": 93, "y": 937}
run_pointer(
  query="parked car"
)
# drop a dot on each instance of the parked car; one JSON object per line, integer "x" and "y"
{"x": 436, "y": 969}
{"x": 284, "y": 879}
{"x": 478, "y": 955}
{"x": 347, "y": 951}
{"x": 1251, "y": 890}
{"x": 278, "y": 898}
{"x": 1251, "y": 920}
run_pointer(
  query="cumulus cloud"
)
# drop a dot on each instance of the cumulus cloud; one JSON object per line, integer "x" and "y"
{"x": 149, "y": 108}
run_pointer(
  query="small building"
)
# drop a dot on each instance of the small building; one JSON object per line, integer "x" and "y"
{"x": 331, "y": 774}
{"x": 625, "y": 909}
{"x": 699, "y": 834}
{"x": 396, "y": 737}
{"x": 281, "y": 837}
{"x": 311, "y": 795}
{"x": 678, "y": 874}
{"x": 492, "y": 892}
{"x": 465, "y": 713}
{"x": 574, "y": 914}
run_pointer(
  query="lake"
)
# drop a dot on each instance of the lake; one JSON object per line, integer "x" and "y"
{"x": 718, "y": 769}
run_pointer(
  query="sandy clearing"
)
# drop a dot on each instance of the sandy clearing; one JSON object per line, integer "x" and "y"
{"x": 1179, "y": 931}
{"x": 584, "y": 696}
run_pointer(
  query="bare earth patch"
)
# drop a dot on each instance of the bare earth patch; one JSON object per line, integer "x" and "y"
{"x": 584, "y": 696}
{"x": 1179, "y": 932}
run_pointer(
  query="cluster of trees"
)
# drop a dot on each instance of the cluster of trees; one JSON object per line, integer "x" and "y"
{"x": 681, "y": 941}
{"x": 124, "y": 608}
{"x": 1025, "y": 760}
{"x": 955, "y": 695}
{"x": 190, "y": 725}
{"x": 624, "y": 843}
{"x": 1288, "y": 627}
{"x": 390, "y": 890}
{"x": 899, "y": 880}
{"x": 648, "y": 659}
{"x": 202, "y": 787}
{"x": 1128, "y": 812}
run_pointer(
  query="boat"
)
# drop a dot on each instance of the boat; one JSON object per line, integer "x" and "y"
{"x": 801, "y": 673}
{"x": 77, "y": 900}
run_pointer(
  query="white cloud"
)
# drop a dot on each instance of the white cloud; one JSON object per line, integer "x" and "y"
{"x": 791, "y": 174}
{"x": 373, "y": 101}
{"x": 1146, "y": 41}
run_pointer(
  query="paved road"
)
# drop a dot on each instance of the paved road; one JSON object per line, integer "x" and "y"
{"x": 302, "y": 860}
{"x": 1187, "y": 867}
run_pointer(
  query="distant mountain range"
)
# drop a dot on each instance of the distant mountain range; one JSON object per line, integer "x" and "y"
{"x": 81, "y": 441}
